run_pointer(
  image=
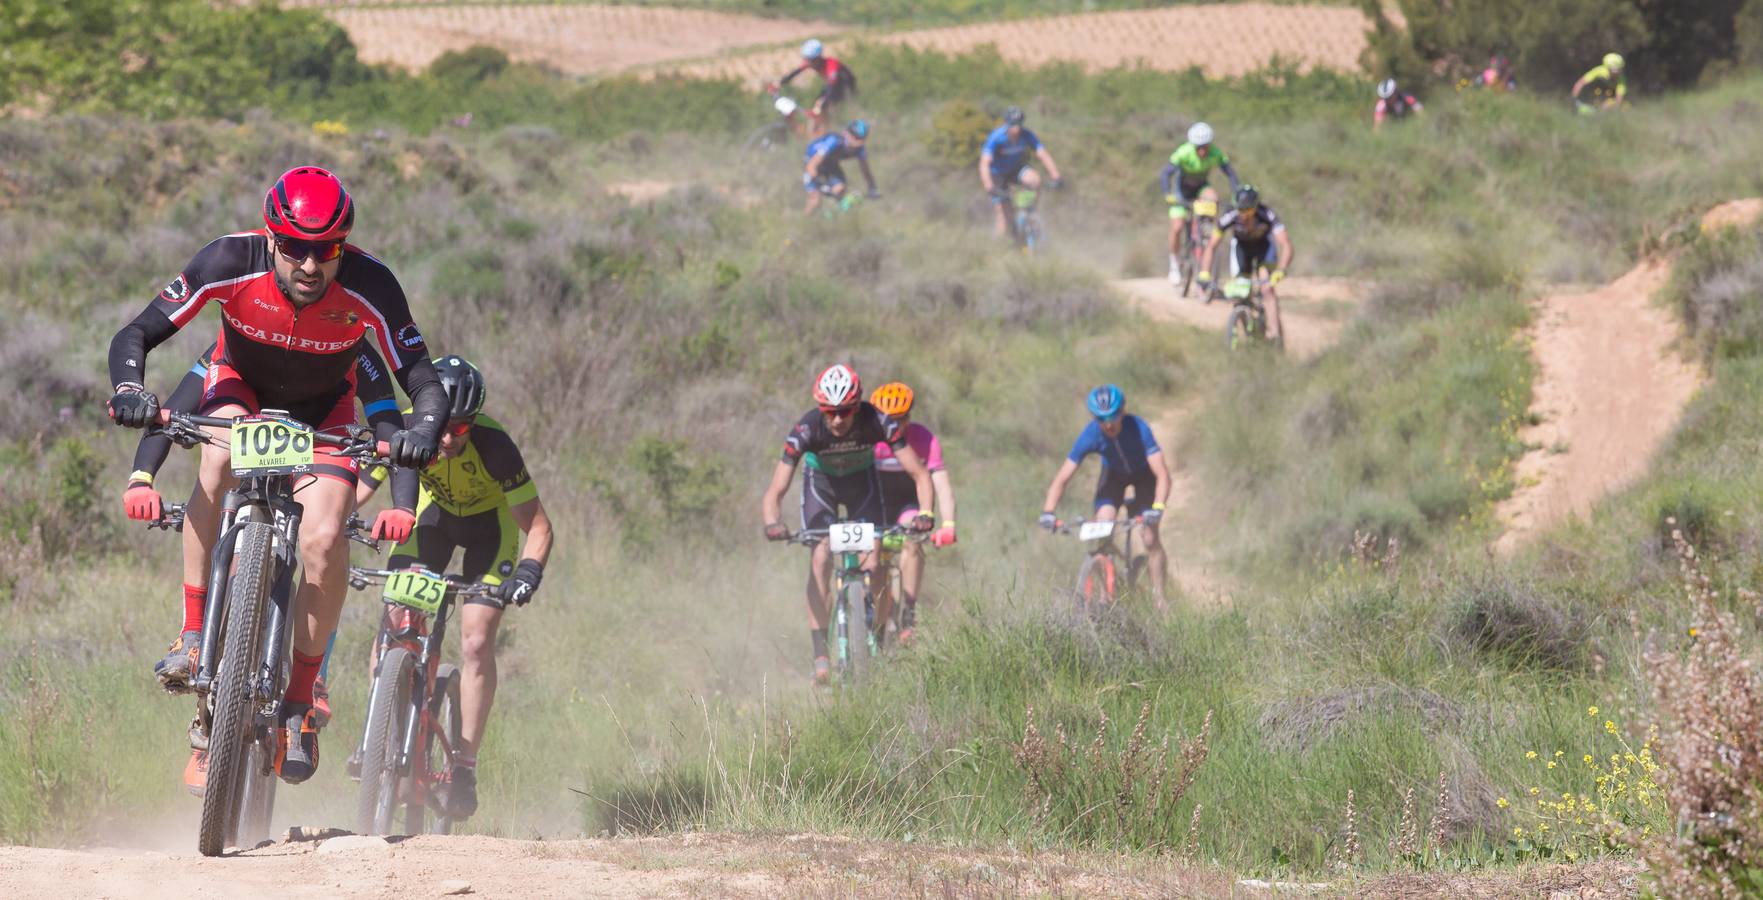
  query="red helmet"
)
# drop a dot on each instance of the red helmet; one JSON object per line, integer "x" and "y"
{"x": 309, "y": 204}
{"x": 838, "y": 388}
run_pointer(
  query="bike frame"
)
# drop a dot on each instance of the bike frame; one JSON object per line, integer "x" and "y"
{"x": 1107, "y": 554}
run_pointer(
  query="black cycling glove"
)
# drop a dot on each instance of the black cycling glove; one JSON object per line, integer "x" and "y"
{"x": 132, "y": 406}
{"x": 413, "y": 448}
{"x": 520, "y": 587}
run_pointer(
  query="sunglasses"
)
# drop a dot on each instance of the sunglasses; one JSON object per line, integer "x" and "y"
{"x": 296, "y": 250}
{"x": 1108, "y": 420}
{"x": 460, "y": 428}
{"x": 839, "y": 412}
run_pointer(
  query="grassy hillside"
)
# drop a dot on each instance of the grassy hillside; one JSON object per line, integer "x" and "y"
{"x": 649, "y": 355}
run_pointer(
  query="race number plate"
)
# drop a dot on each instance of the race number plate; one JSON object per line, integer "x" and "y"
{"x": 263, "y": 445}
{"x": 1206, "y": 208}
{"x": 418, "y": 589}
{"x": 1095, "y": 531}
{"x": 851, "y": 537}
{"x": 784, "y": 105}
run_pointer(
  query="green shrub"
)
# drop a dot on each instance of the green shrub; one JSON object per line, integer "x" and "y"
{"x": 958, "y": 133}
{"x": 469, "y": 66}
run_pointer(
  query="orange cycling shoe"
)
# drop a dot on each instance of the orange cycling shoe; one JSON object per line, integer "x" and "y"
{"x": 196, "y": 773}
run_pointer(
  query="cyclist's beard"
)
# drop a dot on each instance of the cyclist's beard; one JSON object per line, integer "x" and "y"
{"x": 300, "y": 301}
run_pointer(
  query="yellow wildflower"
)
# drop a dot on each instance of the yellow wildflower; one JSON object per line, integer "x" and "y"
{"x": 1591, "y": 710}
{"x": 1501, "y": 803}
{"x": 1530, "y": 755}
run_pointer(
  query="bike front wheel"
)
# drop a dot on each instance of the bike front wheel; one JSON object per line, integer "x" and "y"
{"x": 231, "y": 735}
{"x": 1243, "y": 329}
{"x": 1096, "y": 583}
{"x": 855, "y": 636}
{"x": 389, "y": 706}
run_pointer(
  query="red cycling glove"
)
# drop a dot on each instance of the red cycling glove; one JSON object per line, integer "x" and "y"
{"x": 142, "y": 502}
{"x": 944, "y": 536}
{"x": 394, "y": 525}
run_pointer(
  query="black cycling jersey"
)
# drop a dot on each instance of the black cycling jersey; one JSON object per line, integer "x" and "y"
{"x": 837, "y": 455}
{"x": 1253, "y": 229}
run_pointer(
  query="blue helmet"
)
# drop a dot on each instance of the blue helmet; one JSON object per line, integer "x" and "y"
{"x": 858, "y": 128}
{"x": 1105, "y": 402}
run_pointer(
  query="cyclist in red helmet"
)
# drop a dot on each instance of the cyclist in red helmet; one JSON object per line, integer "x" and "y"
{"x": 295, "y": 302}
{"x": 837, "y": 440}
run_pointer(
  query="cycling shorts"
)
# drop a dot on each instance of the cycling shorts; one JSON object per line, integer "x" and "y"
{"x": 822, "y": 495}
{"x": 835, "y": 91}
{"x": 1003, "y": 180}
{"x": 1185, "y": 195}
{"x": 831, "y": 176}
{"x": 899, "y": 497}
{"x": 490, "y": 540}
{"x": 1247, "y": 256}
{"x": 223, "y": 386}
{"x": 1111, "y": 490}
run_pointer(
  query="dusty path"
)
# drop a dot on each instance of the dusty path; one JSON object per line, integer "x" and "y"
{"x": 706, "y": 865}
{"x": 1610, "y": 388}
{"x": 1314, "y": 311}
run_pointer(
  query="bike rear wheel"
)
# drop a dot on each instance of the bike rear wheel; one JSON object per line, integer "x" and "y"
{"x": 767, "y": 138}
{"x": 445, "y": 711}
{"x": 390, "y": 703}
{"x": 230, "y": 737}
{"x": 1096, "y": 585}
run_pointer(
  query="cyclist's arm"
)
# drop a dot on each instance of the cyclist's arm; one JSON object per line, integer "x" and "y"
{"x": 154, "y": 447}
{"x": 985, "y": 171}
{"x": 1621, "y": 88}
{"x": 1579, "y": 85}
{"x": 367, "y": 483}
{"x": 1282, "y": 239}
{"x": 1231, "y": 173}
{"x": 791, "y": 75}
{"x": 1169, "y": 170}
{"x": 531, "y": 518}
{"x": 212, "y": 274}
{"x": 1046, "y": 156}
{"x": 814, "y": 164}
{"x": 373, "y": 387}
{"x": 912, "y": 465}
{"x": 1160, "y": 469}
{"x": 770, "y": 506}
{"x": 1056, "y": 490}
{"x": 945, "y": 491}
{"x": 863, "y": 163}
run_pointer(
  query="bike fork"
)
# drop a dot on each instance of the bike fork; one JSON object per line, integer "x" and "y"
{"x": 219, "y": 577}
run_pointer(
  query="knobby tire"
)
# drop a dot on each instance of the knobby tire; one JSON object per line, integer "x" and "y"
{"x": 1240, "y": 332}
{"x": 1095, "y": 583}
{"x": 234, "y": 707}
{"x": 857, "y": 662}
{"x": 445, "y": 709}
{"x": 378, "y": 795}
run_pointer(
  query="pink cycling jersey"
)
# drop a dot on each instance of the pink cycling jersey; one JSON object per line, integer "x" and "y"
{"x": 922, "y": 442}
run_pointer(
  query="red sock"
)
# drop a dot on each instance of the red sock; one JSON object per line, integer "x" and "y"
{"x": 300, "y": 679}
{"x": 195, "y": 598}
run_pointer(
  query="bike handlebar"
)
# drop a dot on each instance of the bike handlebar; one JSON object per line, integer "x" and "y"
{"x": 1061, "y": 526}
{"x": 189, "y": 429}
{"x": 360, "y": 578}
{"x": 808, "y": 537}
{"x": 171, "y": 518}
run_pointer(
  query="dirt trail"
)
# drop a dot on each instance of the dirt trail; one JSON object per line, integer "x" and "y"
{"x": 1610, "y": 388}
{"x": 1314, "y": 311}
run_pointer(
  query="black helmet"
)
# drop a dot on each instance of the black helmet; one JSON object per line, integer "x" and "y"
{"x": 464, "y": 385}
{"x": 1013, "y": 116}
{"x": 1248, "y": 197}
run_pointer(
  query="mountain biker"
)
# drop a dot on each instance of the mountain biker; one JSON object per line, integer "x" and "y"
{"x": 838, "y": 78}
{"x": 1498, "y": 75}
{"x": 823, "y": 173}
{"x": 900, "y": 496}
{"x": 142, "y": 502}
{"x": 1004, "y": 162}
{"x": 296, "y": 299}
{"x": 1609, "y": 84}
{"x": 476, "y": 497}
{"x": 1392, "y": 103}
{"x": 1194, "y": 162}
{"x": 1260, "y": 241}
{"x": 837, "y": 441}
{"x": 1130, "y": 458}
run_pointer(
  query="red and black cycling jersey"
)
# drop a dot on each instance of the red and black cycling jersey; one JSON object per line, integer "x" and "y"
{"x": 1252, "y": 229}
{"x": 853, "y": 451}
{"x": 840, "y": 80}
{"x": 291, "y": 357}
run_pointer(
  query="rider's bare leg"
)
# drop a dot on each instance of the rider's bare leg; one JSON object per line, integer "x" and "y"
{"x": 477, "y": 685}
{"x": 881, "y": 595}
{"x": 1275, "y": 327}
{"x": 820, "y": 576}
{"x": 911, "y": 572}
{"x": 1158, "y": 559}
{"x": 324, "y": 558}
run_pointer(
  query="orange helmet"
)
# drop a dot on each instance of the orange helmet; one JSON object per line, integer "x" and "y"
{"x": 893, "y": 398}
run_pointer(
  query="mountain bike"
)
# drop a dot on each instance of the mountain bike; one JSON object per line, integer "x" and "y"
{"x": 1247, "y": 324}
{"x": 1025, "y": 220}
{"x": 887, "y": 566}
{"x": 779, "y": 131}
{"x": 243, "y": 668}
{"x": 413, "y": 712}
{"x": 1108, "y": 571}
{"x": 857, "y": 651}
{"x": 1203, "y": 223}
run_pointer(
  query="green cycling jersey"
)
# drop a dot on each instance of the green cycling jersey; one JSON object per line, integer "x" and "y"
{"x": 1601, "y": 79}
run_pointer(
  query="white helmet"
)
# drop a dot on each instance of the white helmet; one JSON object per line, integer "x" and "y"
{"x": 1613, "y": 62}
{"x": 1200, "y": 134}
{"x": 1386, "y": 88}
{"x": 837, "y": 387}
{"x": 811, "y": 48}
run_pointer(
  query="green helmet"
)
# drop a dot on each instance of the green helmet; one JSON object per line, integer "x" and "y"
{"x": 1613, "y": 62}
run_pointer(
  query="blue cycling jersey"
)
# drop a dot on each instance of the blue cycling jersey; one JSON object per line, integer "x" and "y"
{"x": 835, "y": 148}
{"x": 1008, "y": 155}
{"x": 1128, "y": 453}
